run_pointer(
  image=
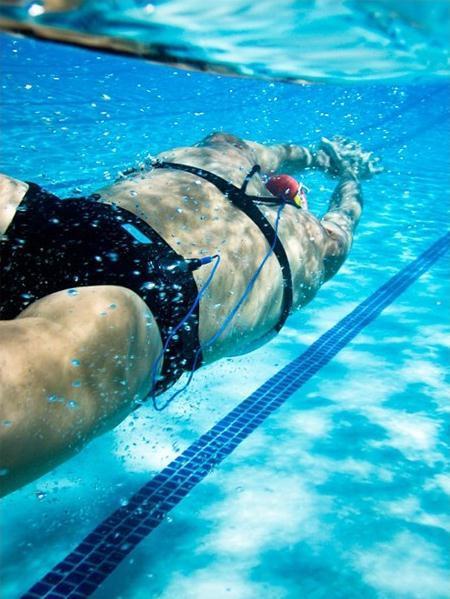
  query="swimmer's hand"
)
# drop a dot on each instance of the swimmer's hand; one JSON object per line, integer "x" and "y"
{"x": 343, "y": 156}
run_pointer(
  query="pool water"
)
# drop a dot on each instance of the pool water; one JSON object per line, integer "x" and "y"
{"x": 344, "y": 491}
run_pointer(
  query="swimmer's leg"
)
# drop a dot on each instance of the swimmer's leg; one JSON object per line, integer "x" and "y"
{"x": 72, "y": 367}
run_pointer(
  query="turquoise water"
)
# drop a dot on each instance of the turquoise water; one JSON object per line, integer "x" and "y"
{"x": 344, "y": 491}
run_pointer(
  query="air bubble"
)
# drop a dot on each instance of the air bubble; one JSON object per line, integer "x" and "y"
{"x": 35, "y": 10}
{"x": 72, "y": 292}
{"x": 53, "y": 399}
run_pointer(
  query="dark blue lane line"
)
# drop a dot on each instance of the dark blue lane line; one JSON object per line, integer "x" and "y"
{"x": 82, "y": 571}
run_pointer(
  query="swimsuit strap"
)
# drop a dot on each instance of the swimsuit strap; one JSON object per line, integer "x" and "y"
{"x": 247, "y": 204}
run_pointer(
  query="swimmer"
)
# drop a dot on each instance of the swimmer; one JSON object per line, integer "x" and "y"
{"x": 92, "y": 288}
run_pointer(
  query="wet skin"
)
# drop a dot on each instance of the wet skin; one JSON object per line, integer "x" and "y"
{"x": 110, "y": 332}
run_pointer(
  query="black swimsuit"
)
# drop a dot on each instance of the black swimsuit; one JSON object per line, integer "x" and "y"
{"x": 53, "y": 244}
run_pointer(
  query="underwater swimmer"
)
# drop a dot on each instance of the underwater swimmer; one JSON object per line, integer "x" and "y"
{"x": 92, "y": 288}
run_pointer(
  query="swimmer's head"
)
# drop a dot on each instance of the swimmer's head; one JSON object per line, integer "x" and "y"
{"x": 288, "y": 189}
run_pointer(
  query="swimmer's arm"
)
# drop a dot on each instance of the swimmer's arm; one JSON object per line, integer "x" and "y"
{"x": 339, "y": 223}
{"x": 71, "y": 367}
{"x": 291, "y": 158}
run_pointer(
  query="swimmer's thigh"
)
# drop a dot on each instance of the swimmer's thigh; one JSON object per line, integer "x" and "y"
{"x": 71, "y": 366}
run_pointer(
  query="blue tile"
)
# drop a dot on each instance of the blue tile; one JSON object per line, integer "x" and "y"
{"x": 179, "y": 495}
{"x": 157, "y": 496}
{"x": 170, "y": 502}
{"x": 93, "y": 538}
{"x": 63, "y": 568}
{"x": 114, "y": 519}
{"x": 53, "y": 578}
{"x": 94, "y": 559}
{"x": 152, "y": 485}
{"x": 74, "y": 577}
{"x": 134, "y": 538}
{"x": 106, "y": 567}
{"x": 84, "y": 568}
{"x": 96, "y": 577}
{"x": 103, "y": 529}
{"x": 41, "y": 588}
{"x": 134, "y": 520}
{"x": 189, "y": 452}
{"x": 144, "y": 529}
{"x": 117, "y": 556}
{"x": 85, "y": 547}
{"x": 122, "y": 530}
{"x": 169, "y": 485}
{"x": 137, "y": 498}
{"x": 68, "y": 564}
{"x": 86, "y": 588}
{"x": 161, "y": 478}
{"x": 64, "y": 588}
